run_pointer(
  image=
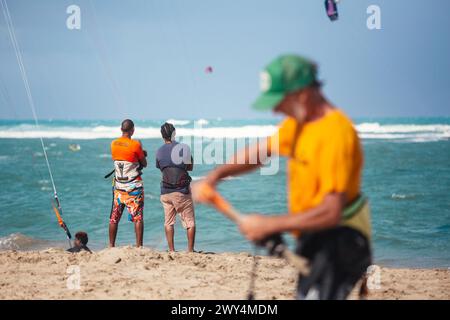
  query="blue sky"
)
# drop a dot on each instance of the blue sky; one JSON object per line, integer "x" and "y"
{"x": 146, "y": 59}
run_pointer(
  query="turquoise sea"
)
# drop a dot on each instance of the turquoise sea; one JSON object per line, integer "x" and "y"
{"x": 406, "y": 176}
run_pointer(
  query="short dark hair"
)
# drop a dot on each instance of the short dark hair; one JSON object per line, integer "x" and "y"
{"x": 82, "y": 236}
{"x": 127, "y": 125}
{"x": 166, "y": 131}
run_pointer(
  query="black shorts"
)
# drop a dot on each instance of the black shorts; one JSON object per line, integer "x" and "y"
{"x": 338, "y": 257}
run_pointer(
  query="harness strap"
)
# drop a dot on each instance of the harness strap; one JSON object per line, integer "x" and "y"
{"x": 109, "y": 174}
{"x": 175, "y": 178}
{"x": 122, "y": 168}
{"x": 353, "y": 207}
{"x": 129, "y": 191}
{"x": 127, "y": 180}
{"x": 113, "y": 171}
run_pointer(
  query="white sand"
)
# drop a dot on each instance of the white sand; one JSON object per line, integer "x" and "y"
{"x": 130, "y": 273}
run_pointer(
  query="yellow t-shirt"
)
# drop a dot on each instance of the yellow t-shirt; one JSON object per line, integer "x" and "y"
{"x": 324, "y": 156}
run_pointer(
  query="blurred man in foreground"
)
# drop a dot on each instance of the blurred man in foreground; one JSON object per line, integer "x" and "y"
{"x": 327, "y": 212}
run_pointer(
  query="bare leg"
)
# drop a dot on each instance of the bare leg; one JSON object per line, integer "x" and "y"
{"x": 191, "y": 238}
{"x": 112, "y": 234}
{"x": 139, "y": 229}
{"x": 169, "y": 236}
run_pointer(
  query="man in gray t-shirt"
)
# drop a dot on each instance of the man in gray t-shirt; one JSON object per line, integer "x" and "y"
{"x": 174, "y": 160}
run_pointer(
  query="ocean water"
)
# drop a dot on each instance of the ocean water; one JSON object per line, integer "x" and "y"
{"x": 406, "y": 176}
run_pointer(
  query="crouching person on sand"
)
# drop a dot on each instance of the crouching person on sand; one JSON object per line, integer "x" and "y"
{"x": 80, "y": 243}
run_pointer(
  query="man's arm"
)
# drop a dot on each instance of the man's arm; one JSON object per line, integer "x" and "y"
{"x": 142, "y": 156}
{"x": 326, "y": 215}
{"x": 143, "y": 162}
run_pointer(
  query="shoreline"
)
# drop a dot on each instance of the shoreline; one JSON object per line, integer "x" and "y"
{"x": 22, "y": 243}
{"x": 132, "y": 273}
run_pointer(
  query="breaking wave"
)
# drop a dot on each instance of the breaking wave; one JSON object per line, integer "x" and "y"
{"x": 366, "y": 130}
{"x": 404, "y": 132}
{"x": 178, "y": 122}
{"x": 105, "y": 132}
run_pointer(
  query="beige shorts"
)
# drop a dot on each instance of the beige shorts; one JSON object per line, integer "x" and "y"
{"x": 177, "y": 202}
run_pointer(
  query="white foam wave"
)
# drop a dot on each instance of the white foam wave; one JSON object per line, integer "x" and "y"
{"x": 400, "y": 196}
{"x": 367, "y": 130}
{"x": 250, "y": 131}
{"x": 375, "y": 127}
{"x": 419, "y": 137}
{"x": 104, "y": 132}
{"x": 404, "y": 132}
{"x": 202, "y": 122}
{"x": 176, "y": 122}
{"x": 18, "y": 241}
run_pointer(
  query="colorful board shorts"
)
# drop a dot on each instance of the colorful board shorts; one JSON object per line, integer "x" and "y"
{"x": 133, "y": 200}
{"x": 177, "y": 202}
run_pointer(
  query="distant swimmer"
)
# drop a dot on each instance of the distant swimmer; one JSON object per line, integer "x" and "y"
{"x": 80, "y": 243}
{"x": 74, "y": 147}
{"x": 326, "y": 210}
{"x": 175, "y": 160}
{"x": 128, "y": 191}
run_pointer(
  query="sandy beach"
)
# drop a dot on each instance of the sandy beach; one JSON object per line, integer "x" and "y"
{"x": 130, "y": 273}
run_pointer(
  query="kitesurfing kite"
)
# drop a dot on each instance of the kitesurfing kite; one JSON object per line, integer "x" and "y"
{"x": 208, "y": 69}
{"x": 331, "y": 9}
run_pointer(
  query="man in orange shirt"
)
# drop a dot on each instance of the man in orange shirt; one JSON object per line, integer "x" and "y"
{"x": 129, "y": 160}
{"x": 327, "y": 212}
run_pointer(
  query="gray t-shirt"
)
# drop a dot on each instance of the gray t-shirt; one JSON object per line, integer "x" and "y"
{"x": 174, "y": 154}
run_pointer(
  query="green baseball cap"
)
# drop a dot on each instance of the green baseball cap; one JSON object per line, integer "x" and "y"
{"x": 284, "y": 75}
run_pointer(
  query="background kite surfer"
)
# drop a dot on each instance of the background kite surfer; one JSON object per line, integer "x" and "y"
{"x": 128, "y": 188}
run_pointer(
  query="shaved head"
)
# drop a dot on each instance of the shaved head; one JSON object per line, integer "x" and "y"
{"x": 127, "y": 126}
